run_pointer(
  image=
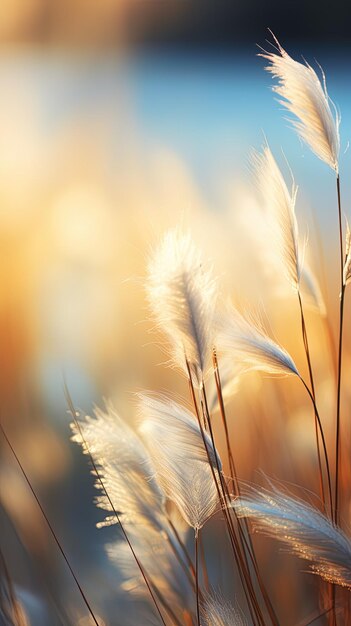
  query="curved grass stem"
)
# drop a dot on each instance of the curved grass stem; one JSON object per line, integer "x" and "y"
{"x": 339, "y": 363}
{"x": 317, "y": 423}
{"x": 52, "y": 531}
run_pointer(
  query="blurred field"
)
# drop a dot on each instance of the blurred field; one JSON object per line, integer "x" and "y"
{"x": 101, "y": 151}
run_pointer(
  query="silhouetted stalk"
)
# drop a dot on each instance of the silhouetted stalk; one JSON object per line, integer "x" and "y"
{"x": 231, "y": 462}
{"x": 317, "y": 617}
{"x": 197, "y": 576}
{"x": 248, "y": 547}
{"x": 309, "y": 364}
{"x": 182, "y": 545}
{"x": 188, "y": 571}
{"x": 247, "y": 541}
{"x": 52, "y": 531}
{"x": 324, "y": 445}
{"x": 231, "y": 534}
{"x": 337, "y": 445}
{"x": 341, "y": 320}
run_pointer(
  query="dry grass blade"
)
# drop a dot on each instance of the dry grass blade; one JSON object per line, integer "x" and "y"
{"x": 177, "y": 449}
{"x": 306, "y": 97}
{"x": 182, "y": 296}
{"x": 307, "y": 532}
{"x": 250, "y": 347}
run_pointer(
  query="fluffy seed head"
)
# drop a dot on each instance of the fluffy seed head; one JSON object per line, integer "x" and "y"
{"x": 279, "y": 204}
{"x": 250, "y": 347}
{"x": 182, "y": 297}
{"x": 179, "y": 455}
{"x": 306, "y": 97}
{"x": 303, "y": 529}
{"x": 125, "y": 468}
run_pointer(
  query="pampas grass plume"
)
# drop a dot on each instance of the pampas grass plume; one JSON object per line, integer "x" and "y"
{"x": 179, "y": 455}
{"x": 250, "y": 347}
{"x": 182, "y": 297}
{"x": 306, "y": 97}
{"x": 280, "y": 208}
{"x": 303, "y": 529}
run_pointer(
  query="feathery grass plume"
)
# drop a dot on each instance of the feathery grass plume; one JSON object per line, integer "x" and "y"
{"x": 280, "y": 208}
{"x": 182, "y": 296}
{"x": 176, "y": 446}
{"x": 125, "y": 469}
{"x": 307, "y": 532}
{"x": 347, "y": 265}
{"x": 250, "y": 347}
{"x": 219, "y": 612}
{"x": 306, "y": 97}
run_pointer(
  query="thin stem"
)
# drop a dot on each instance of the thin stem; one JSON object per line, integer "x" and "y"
{"x": 234, "y": 477}
{"x": 226, "y": 497}
{"x": 188, "y": 571}
{"x": 341, "y": 319}
{"x": 197, "y": 576}
{"x": 337, "y": 442}
{"x": 231, "y": 462}
{"x": 341, "y": 237}
{"x": 52, "y": 531}
{"x": 309, "y": 364}
{"x": 318, "y": 616}
{"x": 323, "y": 440}
{"x": 244, "y": 576}
{"x": 182, "y": 545}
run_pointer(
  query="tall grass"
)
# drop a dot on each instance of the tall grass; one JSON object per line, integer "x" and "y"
{"x": 172, "y": 481}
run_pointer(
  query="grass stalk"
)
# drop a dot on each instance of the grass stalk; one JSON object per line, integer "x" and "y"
{"x": 197, "y": 576}
{"x": 252, "y": 604}
{"x": 317, "y": 422}
{"x": 231, "y": 462}
{"x": 51, "y": 528}
{"x": 339, "y": 365}
{"x": 324, "y": 444}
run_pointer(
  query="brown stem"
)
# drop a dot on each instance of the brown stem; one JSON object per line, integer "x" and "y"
{"x": 342, "y": 292}
{"x": 52, "y": 531}
{"x": 233, "y": 473}
{"x": 227, "y": 499}
{"x": 337, "y": 442}
{"x": 324, "y": 445}
{"x": 235, "y": 480}
{"x": 309, "y": 364}
{"x": 244, "y": 576}
{"x": 197, "y": 576}
{"x": 182, "y": 545}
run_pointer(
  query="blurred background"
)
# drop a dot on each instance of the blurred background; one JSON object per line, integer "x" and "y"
{"x": 119, "y": 119}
